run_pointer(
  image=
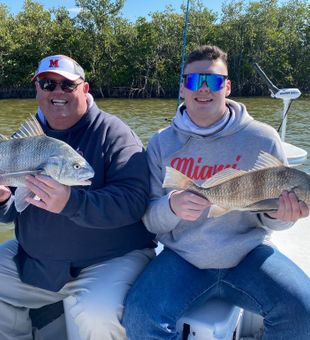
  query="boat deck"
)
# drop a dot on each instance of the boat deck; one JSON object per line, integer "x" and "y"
{"x": 294, "y": 243}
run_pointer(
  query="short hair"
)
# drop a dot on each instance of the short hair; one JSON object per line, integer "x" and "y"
{"x": 206, "y": 52}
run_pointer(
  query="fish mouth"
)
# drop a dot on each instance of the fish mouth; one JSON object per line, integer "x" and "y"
{"x": 59, "y": 102}
{"x": 85, "y": 182}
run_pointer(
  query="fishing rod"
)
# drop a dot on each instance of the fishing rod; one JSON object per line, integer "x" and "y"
{"x": 287, "y": 95}
{"x": 182, "y": 54}
{"x": 183, "y": 48}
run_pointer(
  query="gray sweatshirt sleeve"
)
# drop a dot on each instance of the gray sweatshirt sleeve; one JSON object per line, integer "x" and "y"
{"x": 158, "y": 218}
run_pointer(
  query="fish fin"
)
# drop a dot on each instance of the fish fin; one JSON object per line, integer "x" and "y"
{"x": 222, "y": 177}
{"x": 216, "y": 211}
{"x": 21, "y": 194}
{"x": 174, "y": 179}
{"x": 266, "y": 160}
{"x": 270, "y": 204}
{"x": 30, "y": 128}
{"x": 3, "y": 138}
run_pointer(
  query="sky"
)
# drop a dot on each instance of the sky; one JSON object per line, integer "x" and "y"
{"x": 131, "y": 10}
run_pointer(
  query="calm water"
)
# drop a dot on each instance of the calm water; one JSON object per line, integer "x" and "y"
{"x": 146, "y": 116}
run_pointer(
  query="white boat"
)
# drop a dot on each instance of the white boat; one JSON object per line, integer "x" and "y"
{"x": 295, "y": 155}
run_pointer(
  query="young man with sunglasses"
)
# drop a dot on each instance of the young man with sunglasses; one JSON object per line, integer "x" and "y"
{"x": 227, "y": 256}
{"x": 88, "y": 243}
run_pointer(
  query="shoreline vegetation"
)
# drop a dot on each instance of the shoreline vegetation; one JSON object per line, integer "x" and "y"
{"x": 142, "y": 59}
{"x": 116, "y": 92}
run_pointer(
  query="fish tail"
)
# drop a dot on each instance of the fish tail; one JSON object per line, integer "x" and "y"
{"x": 174, "y": 179}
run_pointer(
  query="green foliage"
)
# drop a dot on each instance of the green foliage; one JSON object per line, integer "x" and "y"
{"x": 97, "y": 22}
{"x": 31, "y": 36}
{"x": 6, "y": 43}
{"x": 267, "y": 33}
{"x": 143, "y": 58}
{"x": 63, "y": 34}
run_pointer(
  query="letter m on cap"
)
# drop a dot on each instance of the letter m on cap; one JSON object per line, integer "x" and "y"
{"x": 54, "y": 63}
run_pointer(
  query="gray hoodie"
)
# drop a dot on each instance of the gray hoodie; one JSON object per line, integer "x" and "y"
{"x": 224, "y": 241}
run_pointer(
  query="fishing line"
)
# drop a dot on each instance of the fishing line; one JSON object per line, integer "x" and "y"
{"x": 184, "y": 47}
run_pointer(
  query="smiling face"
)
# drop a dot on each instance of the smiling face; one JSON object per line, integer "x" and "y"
{"x": 62, "y": 109}
{"x": 205, "y": 107}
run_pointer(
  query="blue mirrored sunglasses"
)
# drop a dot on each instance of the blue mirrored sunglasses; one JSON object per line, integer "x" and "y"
{"x": 193, "y": 81}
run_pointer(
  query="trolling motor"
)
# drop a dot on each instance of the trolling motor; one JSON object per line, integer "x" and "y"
{"x": 287, "y": 95}
{"x": 295, "y": 155}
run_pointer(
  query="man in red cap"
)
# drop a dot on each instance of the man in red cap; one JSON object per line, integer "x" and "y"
{"x": 85, "y": 242}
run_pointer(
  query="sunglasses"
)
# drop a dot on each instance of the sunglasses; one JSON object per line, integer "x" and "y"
{"x": 193, "y": 81}
{"x": 50, "y": 85}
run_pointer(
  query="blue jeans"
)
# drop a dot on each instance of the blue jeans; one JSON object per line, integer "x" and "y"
{"x": 265, "y": 282}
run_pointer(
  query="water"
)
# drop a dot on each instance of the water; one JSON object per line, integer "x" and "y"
{"x": 146, "y": 116}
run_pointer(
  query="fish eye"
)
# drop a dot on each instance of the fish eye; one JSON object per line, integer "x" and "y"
{"x": 76, "y": 166}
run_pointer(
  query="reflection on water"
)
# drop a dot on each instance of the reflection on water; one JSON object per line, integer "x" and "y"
{"x": 146, "y": 116}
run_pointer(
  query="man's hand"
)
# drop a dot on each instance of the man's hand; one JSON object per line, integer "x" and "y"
{"x": 290, "y": 208}
{"x": 5, "y": 193}
{"x": 187, "y": 205}
{"x": 53, "y": 195}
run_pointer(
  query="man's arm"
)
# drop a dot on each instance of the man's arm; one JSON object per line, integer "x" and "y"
{"x": 120, "y": 202}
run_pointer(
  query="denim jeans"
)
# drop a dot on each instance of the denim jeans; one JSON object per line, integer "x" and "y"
{"x": 265, "y": 282}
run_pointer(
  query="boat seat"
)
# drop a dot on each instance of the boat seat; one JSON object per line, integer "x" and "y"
{"x": 216, "y": 319}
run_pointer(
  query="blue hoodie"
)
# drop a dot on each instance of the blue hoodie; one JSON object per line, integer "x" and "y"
{"x": 99, "y": 222}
